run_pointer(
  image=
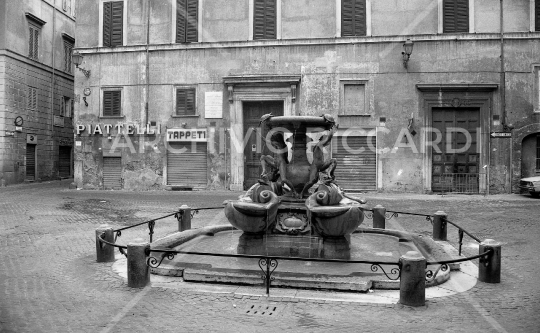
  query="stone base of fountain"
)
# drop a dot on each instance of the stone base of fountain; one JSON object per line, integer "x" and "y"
{"x": 365, "y": 244}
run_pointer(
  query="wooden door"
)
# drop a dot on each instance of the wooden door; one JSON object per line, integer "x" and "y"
{"x": 454, "y": 170}
{"x": 254, "y": 147}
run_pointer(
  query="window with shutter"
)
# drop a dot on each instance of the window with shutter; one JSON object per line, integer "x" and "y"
{"x": 353, "y": 18}
{"x": 68, "y": 50}
{"x": 455, "y": 16}
{"x": 112, "y": 103}
{"x": 33, "y": 42}
{"x": 31, "y": 102}
{"x": 187, "y": 20}
{"x": 537, "y": 15}
{"x": 113, "y": 23}
{"x": 185, "y": 102}
{"x": 264, "y": 19}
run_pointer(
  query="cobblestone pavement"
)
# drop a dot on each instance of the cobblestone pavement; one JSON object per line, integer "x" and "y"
{"x": 50, "y": 282}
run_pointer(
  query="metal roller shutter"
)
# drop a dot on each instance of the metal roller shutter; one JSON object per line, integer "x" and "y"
{"x": 31, "y": 162}
{"x": 355, "y": 170}
{"x": 64, "y": 161}
{"x": 189, "y": 167}
{"x": 112, "y": 172}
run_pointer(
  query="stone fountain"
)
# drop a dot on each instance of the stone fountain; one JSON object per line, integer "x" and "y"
{"x": 296, "y": 208}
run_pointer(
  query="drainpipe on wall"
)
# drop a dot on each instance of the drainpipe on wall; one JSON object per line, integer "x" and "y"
{"x": 147, "y": 63}
{"x": 506, "y": 126}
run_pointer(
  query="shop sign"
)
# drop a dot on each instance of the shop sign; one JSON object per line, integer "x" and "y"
{"x": 185, "y": 134}
{"x": 119, "y": 128}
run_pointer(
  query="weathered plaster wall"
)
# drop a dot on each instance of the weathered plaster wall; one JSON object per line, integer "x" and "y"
{"x": 391, "y": 88}
{"x": 18, "y": 76}
{"x": 308, "y": 19}
{"x": 225, "y": 20}
{"x": 397, "y": 17}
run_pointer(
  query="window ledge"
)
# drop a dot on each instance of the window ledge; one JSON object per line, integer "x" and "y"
{"x": 186, "y": 116}
{"x": 112, "y": 117}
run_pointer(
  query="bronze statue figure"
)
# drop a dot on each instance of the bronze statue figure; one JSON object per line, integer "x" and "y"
{"x": 272, "y": 168}
{"x": 319, "y": 165}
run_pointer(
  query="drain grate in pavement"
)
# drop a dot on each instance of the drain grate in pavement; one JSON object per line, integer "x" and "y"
{"x": 261, "y": 310}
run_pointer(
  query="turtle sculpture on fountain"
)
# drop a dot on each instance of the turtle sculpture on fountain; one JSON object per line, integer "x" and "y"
{"x": 280, "y": 205}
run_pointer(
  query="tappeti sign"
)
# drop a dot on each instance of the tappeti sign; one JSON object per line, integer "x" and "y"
{"x": 185, "y": 134}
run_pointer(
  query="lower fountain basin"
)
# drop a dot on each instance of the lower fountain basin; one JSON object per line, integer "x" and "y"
{"x": 365, "y": 244}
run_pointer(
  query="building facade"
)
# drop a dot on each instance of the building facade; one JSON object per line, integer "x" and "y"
{"x": 36, "y": 89}
{"x": 430, "y": 95}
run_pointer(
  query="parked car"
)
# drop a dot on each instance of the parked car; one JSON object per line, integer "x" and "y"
{"x": 531, "y": 184}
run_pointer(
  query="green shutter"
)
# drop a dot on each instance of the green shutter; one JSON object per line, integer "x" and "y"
{"x": 117, "y": 23}
{"x": 113, "y": 23}
{"x": 455, "y": 16}
{"x": 112, "y": 105}
{"x": 180, "y": 21}
{"x": 107, "y": 13}
{"x": 353, "y": 18}
{"x": 187, "y": 18}
{"x": 264, "y": 19}
{"x": 192, "y": 21}
{"x": 185, "y": 102}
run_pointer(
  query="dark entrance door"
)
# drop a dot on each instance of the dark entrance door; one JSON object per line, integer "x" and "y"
{"x": 30, "y": 162}
{"x": 64, "y": 161}
{"x": 254, "y": 147}
{"x": 456, "y": 169}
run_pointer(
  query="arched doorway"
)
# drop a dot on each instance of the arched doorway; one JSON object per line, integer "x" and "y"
{"x": 530, "y": 155}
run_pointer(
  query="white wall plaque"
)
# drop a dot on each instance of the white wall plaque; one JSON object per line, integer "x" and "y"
{"x": 213, "y": 104}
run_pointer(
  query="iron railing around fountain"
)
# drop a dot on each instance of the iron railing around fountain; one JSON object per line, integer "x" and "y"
{"x": 443, "y": 265}
{"x": 268, "y": 264}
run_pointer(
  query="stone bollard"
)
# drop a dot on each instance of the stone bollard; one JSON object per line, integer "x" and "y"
{"x": 379, "y": 217}
{"x": 412, "y": 284}
{"x": 185, "y": 222}
{"x": 439, "y": 226}
{"x": 138, "y": 271}
{"x": 105, "y": 252}
{"x": 489, "y": 270}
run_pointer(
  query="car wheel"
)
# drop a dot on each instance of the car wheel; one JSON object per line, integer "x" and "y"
{"x": 535, "y": 194}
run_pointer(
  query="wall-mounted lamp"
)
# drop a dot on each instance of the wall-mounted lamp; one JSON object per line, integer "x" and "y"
{"x": 77, "y": 59}
{"x": 407, "y": 51}
{"x": 496, "y": 120}
{"x": 382, "y": 121}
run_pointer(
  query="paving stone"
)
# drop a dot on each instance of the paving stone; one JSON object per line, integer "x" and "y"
{"x": 50, "y": 282}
